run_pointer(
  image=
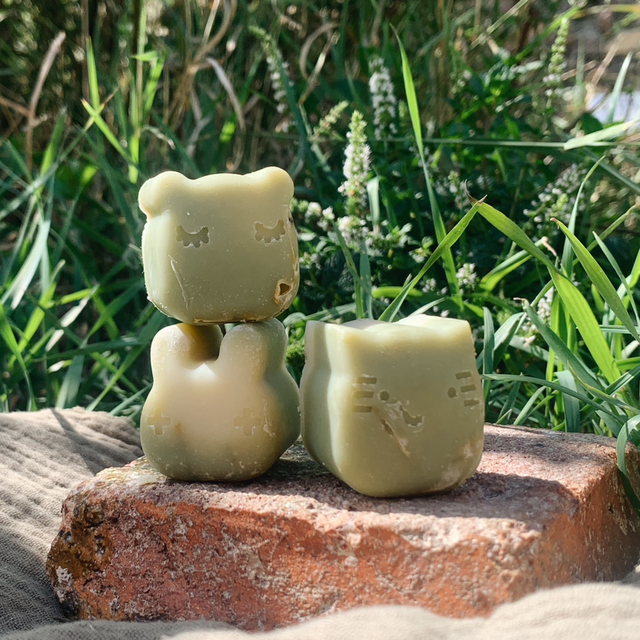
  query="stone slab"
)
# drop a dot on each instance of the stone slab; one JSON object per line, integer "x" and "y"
{"x": 544, "y": 509}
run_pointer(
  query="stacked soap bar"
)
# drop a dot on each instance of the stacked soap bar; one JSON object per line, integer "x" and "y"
{"x": 218, "y": 250}
{"x": 392, "y": 409}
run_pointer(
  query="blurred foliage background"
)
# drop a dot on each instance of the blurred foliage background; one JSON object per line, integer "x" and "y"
{"x": 532, "y": 106}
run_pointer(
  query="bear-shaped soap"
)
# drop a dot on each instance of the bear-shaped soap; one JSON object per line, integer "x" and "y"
{"x": 222, "y": 248}
{"x": 393, "y": 409}
{"x": 221, "y": 408}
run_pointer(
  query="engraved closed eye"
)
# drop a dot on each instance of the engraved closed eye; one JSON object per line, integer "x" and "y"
{"x": 269, "y": 234}
{"x": 194, "y": 239}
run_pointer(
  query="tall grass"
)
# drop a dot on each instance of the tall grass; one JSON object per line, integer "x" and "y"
{"x": 236, "y": 86}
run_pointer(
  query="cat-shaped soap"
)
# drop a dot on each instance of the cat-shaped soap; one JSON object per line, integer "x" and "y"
{"x": 221, "y": 407}
{"x": 393, "y": 409}
{"x": 222, "y": 248}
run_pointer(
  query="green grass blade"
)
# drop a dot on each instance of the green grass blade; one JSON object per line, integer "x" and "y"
{"x": 6, "y": 333}
{"x": 353, "y": 271}
{"x": 512, "y": 231}
{"x": 92, "y": 74}
{"x": 108, "y": 134}
{"x": 587, "y": 324}
{"x": 505, "y": 334}
{"x": 509, "y": 405}
{"x": 117, "y": 410}
{"x": 144, "y": 339}
{"x": 599, "y": 278}
{"x": 614, "y": 131}
{"x": 68, "y": 395}
{"x": 491, "y": 280}
{"x": 560, "y": 349}
{"x": 528, "y": 407}
{"x": 567, "y": 263}
{"x": 616, "y": 267}
{"x": 373, "y": 191}
{"x": 571, "y": 405}
{"x": 489, "y": 346}
{"x": 628, "y": 434}
{"x": 157, "y": 65}
{"x": 617, "y": 88}
{"x": 450, "y": 239}
{"x": 52, "y": 148}
{"x": 579, "y": 395}
{"x": 438, "y": 223}
{"x": 28, "y": 269}
{"x": 365, "y": 279}
{"x": 612, "y": 424}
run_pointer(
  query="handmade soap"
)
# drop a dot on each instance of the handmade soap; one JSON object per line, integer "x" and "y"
{"x": 221, "y": 248}
{"x": 221, "y": 407}
{"x": 393, "y": 409}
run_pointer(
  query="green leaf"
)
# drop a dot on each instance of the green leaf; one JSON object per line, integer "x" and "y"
{"x": 628, "y": 433}
{"x": 598, "y": 136}
{"x": 600, "y": 280}
{"x": 528, "y": 407}
{"x": 108, "y": 134}
{"x": 28, "y": 269}
{"x": 583, "y": 317}
{"x": 512, "y": 231}
{"x": 412, "y": 100}
{"x": 440, "y": 229}
{"x": 489, "y": 346}
{"x": 567, "y": 263}
{"x": 505, "y": 334}
{"x": 571, "y": 405}
{"x": 506, "y": 377}
{"x": 509, "y": 405}
{"x": 616, "y": 267}
{"x": 450, "y": 239}
{"x": 351, "y": 266}
{"x": 6, "y": 333}
{"x": 365, "y": 279}
{"x": 560, "y": 349}
{"x": 94, "y": 91}
{"x": 373, "y": 191}
{"x": 617, "y": 88}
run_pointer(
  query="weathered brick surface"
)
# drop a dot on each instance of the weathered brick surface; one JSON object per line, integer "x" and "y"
{"x": 543, "y": 509}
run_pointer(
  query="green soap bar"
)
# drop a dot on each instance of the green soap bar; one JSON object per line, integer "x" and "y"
{"x": 222, "y": 248}
{"x": 393, "y": 409}
{"x": 221, "y": 408}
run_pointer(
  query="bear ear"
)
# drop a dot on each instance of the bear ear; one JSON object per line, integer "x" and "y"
{"x": 254, "y": 347}
{"x": 156, "y": 193}
{"x": 274, "y": 180}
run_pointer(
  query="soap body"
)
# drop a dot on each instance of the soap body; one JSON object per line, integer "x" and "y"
{"x": 393, "y": 409}
{"x": 221, "y": 408}
{"x": 222, "y": 248}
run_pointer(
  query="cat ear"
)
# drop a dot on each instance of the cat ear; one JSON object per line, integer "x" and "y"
{"x": 156, "y": 193}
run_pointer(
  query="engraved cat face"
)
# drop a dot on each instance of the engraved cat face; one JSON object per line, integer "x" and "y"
{"x": 221, "y": 248}
{"x": 387, "y": 406}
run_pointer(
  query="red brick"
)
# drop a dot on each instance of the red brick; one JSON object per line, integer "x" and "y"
{"x": 544, "y": 509}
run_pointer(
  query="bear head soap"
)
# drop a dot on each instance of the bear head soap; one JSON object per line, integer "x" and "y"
{"x": 222, "y": 248}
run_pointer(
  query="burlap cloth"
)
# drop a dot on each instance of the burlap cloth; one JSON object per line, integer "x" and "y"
{"x": 43, "y": 455}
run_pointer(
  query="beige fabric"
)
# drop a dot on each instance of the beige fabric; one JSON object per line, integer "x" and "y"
{"x": 43, "y": 455}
